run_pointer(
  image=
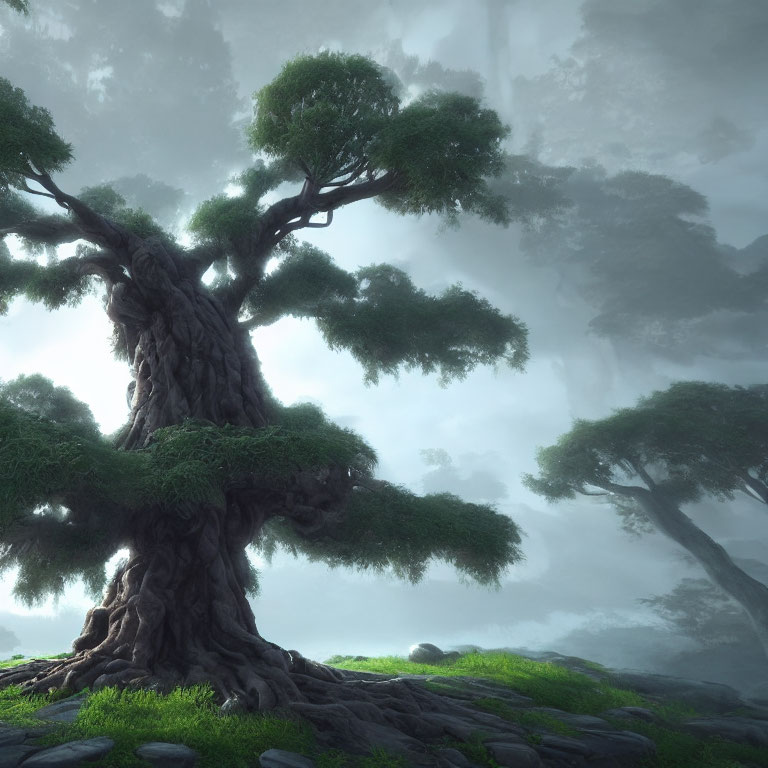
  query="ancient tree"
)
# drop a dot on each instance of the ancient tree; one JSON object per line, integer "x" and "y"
{"x": 209, "y": 461}
{"x": 692, "y": 440}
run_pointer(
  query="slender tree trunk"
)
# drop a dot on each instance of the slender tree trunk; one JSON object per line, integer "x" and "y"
{"x": 176, "y": 613}
{"x": 751, "y": 594}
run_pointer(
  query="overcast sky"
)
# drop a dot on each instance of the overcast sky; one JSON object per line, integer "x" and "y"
{"x": 672, "y": 88}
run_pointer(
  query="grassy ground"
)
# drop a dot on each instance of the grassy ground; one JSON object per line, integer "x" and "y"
{"x": 188, "y": 716}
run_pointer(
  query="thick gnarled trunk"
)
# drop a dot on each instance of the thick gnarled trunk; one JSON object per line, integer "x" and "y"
{"x": 176, "y": 613}
{"x": 190, "y": 358}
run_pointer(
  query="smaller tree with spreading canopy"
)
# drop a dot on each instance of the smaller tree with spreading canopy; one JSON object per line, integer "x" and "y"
{"x": 692, "y": 440}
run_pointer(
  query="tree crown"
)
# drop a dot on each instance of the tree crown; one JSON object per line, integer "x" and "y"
{"x": 695, "y": 437}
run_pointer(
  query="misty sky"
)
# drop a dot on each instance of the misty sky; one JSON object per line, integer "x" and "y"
{"x": 674, "y": 88}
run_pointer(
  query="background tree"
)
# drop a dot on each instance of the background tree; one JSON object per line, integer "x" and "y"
{"x": 209, "y": 461}
{"x": 716, "y": 435}
{"x": 635, "y": 246}
{"x": 698, "y": 609}
{"x": 643, "y": 443}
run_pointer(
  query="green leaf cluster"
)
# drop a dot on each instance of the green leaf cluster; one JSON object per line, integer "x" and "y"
{"x": 55, "y": 285}
{"x": 193, "y": 462}
{"x": 392, "y": 323}
{"x": 35, "y": 394}
{"x": 303, "y": 284}
{"x": 385, "y": 321}
{"x": 223, "y": 218}
{"x": 50, "y": 446}
{"x": 111, "y": 204}
{"x": 696, "y": 437}
{"x": 43, "y": 460}
{"x": 388, "y": 526}
{"x": 14, "y": 209}
{"x": 322, "y": 113}
{"x": 442, "y": 146}
{"x": 711, "y": 430}
{"x": 27, "y": 135}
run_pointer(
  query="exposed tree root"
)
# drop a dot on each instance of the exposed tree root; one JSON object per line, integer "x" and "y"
{"x": 347, "y": 713}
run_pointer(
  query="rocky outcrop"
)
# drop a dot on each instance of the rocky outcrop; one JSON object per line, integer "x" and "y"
{"x": 580, "y": 740}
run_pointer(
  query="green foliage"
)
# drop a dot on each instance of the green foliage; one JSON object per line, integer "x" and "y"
{"x": 52, "y": 455}
{"x": 261, "y": 178}
{"x": 192, "y": 462}
{"x": 384, "y": 321}
{"x": 224, "y": 218}
{"x": 26, "y": 135}
{"x": 55, "y": 285}
{"x": 441, "y": 147}
{"x": 105, "y": 200}
{"x": 37, "y": 395}
{"x": 698, "y": 438}
{"x": 302, "y": 285}
{"x": 42, "y": 459}
{"x": 322, "y": 113}
{"x": 14, "y": 209}
{"x": 45, "y": 435}
{"x": 712, "y": 431}
{"x": 531, "y": 191}
{"x": 388, "y": 526}
{"x": 391, "y": 323}
{"x": 699, "y": 609}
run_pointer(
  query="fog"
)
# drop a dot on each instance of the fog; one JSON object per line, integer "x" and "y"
{"x": 674, "y": 89}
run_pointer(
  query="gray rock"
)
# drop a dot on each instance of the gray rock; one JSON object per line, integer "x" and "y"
{"x": 160, "y": 753}
{"x": 426, "y": 653}
{"x": 513, "y": 754}
{"x": 71, "y": 754}
{"x": 630, "y": 713}
{"x": 700, "y": 694}
{"x": 741, "y": 729}
{"x": 452, "y": 757}
{"x": 281, "y": 758}
{"x": 617, "y": 745}
{"x": 130, "y": 389}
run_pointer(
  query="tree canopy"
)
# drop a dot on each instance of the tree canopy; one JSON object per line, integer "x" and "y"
{"x": 435, "y": 155}
{"x": 338, "y": 119}
{"x": 697, "y": 438}
{"x": 692, "y": 440}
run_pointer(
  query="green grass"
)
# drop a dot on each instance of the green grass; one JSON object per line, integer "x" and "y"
{"x": 189, "y": 716}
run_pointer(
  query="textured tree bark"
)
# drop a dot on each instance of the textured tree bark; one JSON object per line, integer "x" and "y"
{"x": 176, "y": 614}
{"x": 190, "y": 357}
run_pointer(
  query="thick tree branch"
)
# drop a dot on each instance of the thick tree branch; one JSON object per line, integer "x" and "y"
{"x": 290, "y": 214}
{"x": 52, "y": 230}
{"x": 31, "y": 191}
{"x": 105, "y": 265}
{"x": 93, "y": 226}
{"x": 647, "y": 479}
{"x": 198, "y": 260}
